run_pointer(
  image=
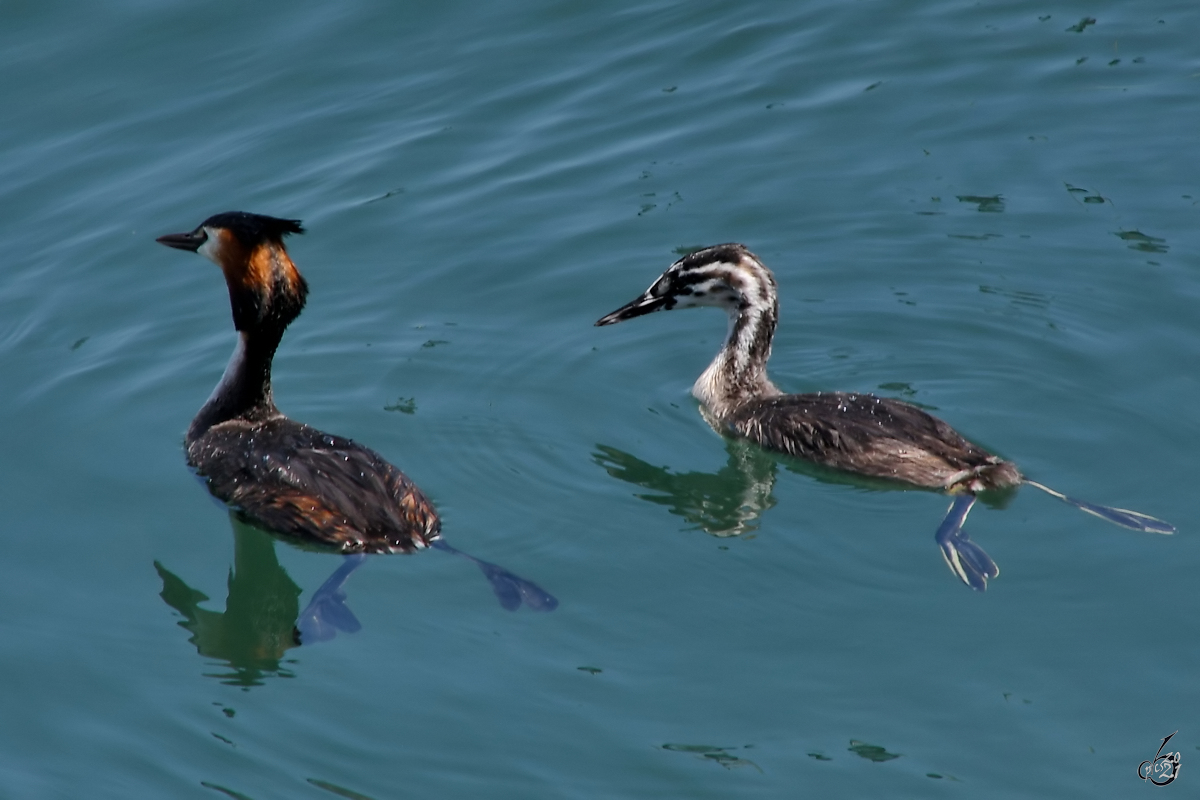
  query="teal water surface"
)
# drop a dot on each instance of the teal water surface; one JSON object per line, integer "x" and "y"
{"x": 986, "y": 209}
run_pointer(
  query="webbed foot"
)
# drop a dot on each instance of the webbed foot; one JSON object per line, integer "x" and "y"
{"x": 327, "y": 612}
{"x": 1132, "y": 520}
{"x": 966, "y": 559}
{"x": 511, "y": 590}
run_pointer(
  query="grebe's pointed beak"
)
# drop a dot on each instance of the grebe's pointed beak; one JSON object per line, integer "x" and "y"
{"x": 185, "y": 241}
{"x": 645, "y": 304}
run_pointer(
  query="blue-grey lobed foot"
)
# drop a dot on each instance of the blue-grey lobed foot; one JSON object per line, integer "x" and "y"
{"x": 1123, "y": 517}
{"x": 511, "y": 590}
{"x": 327, "y": 612}
{"x": 966, "y": 559}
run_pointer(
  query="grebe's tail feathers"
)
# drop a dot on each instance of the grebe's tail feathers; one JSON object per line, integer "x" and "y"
{"x": 1118, "y": 516}
{"x": 966, "y": 559}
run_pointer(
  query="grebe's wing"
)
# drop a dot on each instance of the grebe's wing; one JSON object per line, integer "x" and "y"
{"x": 862, "y": 433}
{"x": 298, "y": 481}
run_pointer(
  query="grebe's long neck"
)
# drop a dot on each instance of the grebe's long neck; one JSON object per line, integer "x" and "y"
{"x": 739, "y": 372}
{"x": 244, "y": 391}
{"x": 727, "y": 276}
{"x": 266, "y": 292}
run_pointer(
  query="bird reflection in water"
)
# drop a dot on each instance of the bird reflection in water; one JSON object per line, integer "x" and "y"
{"x": 258, "y": 625}
{"x": 725, "y": 503}
{"x": 730, "y": 501}
{"x": 262, "y": 619}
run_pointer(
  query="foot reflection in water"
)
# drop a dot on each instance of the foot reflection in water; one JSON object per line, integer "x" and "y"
{"x": 262, "y": 618}
{"x": 726, "y": 503}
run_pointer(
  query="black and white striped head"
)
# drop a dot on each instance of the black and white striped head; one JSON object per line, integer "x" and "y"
{"x": 727, "y": 276}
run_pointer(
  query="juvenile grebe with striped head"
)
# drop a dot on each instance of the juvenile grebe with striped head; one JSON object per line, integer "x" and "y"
{"x": 285, "y": 476}
{"x": 859, "y": 433}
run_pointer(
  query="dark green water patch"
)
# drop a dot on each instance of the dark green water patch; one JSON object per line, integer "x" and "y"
{"x": 1092, "y": 198}
{"x": 228, "y": 792}
{"x": 871, "y": 752}
{"x": 988, "y": 204}
{"x": 1142, "y": 242}
{"x": 405, "y": 405}
{"x": 385, "y": 196}
{"x": 899, "y": 387}
{"x": 720, "y": 755}
{"x": 340, "y": 791}
{"x": 1019, "y": 297}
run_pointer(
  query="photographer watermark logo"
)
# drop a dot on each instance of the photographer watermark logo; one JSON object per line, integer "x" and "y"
{"x": 1163, "y": 769}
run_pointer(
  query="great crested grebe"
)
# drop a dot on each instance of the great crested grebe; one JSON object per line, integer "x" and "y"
{"x": 859, "y": 433}
{"x": 283, "y": 475}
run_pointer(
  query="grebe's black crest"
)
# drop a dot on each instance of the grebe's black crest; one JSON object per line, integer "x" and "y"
{"x": 253, "y": 228}
{"x": 249, "y": 229}
{"x": 859, "y": 433}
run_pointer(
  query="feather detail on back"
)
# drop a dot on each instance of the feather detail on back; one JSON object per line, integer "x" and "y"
{"x": 873, "y": 436}
{"x": 298, "y": 481}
